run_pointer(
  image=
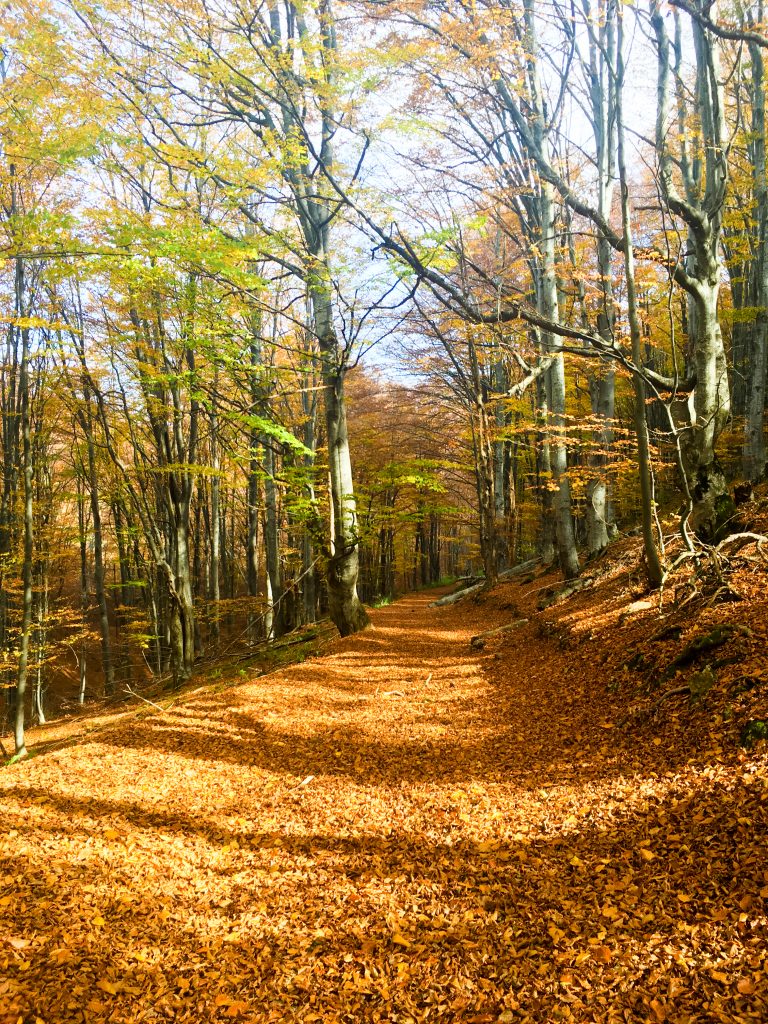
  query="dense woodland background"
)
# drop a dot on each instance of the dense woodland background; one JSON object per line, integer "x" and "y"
{"x": 309, "y": 304}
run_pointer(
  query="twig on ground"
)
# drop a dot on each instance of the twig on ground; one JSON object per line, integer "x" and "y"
{"x": 138, "y": 696}
{"x": 304, "y": 782}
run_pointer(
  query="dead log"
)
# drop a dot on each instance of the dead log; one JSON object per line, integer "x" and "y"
{"x": 478, "y": 641}
{"x": 508, "y": 574}
{"x": 458, "y": 596}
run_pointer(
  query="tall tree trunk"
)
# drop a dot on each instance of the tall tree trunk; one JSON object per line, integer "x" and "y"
{"x": 27, "y": 471}
{"x": 544, "y": 472}
{"x": 434, "y": 548}
{"x": 84, "y": 602}
{"x": 276, "y": 615}
{"x": 703, "y": 171}
{"x": 345, "y": 608}
{"x": 41, "y": 638}
{"x": 252, "y": 539}
{"x": 98, "y": 554}
{"x": 652, "y": 560}
{"x": 566, "y": 540}
{"x": 501, "y": 478}
{"x": 214, "y": 588}
{"x": 485, "y": 467}
{"x": 182, "y": 603}
{"x": 599, "y": 512}
{"x": 601, "y": 31}
{"x": 549, "y": 307}
{"x": 309, "y": 410}
{"x": 754, "y": 440}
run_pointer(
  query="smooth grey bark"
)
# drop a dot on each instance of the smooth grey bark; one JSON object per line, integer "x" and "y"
{"x": 504, "y": 504}
{"x": 254, "y": 486}
{"x": 275, "y": 613}
{"x": 652, "y": 559}
{"x": 344, "y": 605}
{"x": 602, "y": 56}
{"x": 98, "y": 551}
{"x": 27, "y": 475}
{"x": 316, "y": 215}
{"x": 754, "y": 451}
{"x": 703, "y": 172}
{"x": 544, "y": 472}
{"x": 41, "y": 571}
{"x": 10, "y": 403}
{"x": 309, "y": 410}
{"x": 84, "y": 602}
{"x": 263, "y": 477}
{"x": 40, "y": 642}
{"x": 549, "y": 308}
{"x": 483, "y": 449}
{"x": 214, "y": 557}
{"x": 10, "y": 474}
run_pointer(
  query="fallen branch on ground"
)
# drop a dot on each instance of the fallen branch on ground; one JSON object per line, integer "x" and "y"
{"x": 508, "y": 574}
{"x": 478, "y": 641}
{"x": 458, "y": 596}
{"x": 151, "y": 703}
{"x": 279, "y": 645}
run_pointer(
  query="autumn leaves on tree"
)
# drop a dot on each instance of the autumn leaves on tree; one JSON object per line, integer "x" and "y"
{"x": 545, "y": 231}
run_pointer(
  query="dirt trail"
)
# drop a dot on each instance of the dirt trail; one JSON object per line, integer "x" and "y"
{"x": 402, "y": 830}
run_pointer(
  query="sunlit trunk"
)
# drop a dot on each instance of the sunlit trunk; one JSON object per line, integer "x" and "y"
{"x": 345, "y": 607}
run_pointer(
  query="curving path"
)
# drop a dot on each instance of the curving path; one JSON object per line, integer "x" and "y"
{"x": 401, "y": 830}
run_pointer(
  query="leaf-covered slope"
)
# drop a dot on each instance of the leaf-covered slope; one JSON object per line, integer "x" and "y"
{"x": 404, "y": 830}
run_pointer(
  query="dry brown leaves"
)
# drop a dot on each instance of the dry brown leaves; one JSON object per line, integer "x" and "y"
{"x": 405, "y": 830}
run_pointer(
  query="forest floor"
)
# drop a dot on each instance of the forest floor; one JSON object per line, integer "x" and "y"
{"x": 409, "y": 828}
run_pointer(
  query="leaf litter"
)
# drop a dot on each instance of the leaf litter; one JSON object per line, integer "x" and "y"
{"x": 492, "y": 845}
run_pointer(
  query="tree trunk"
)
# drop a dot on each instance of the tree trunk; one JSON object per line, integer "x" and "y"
{"x": 252, "y": 539}
{"x": 544, "y": 472}
{"x": 182, "y": 605}
{"x": 27, "y": 470}
{"x": 566, "y": 541}
{"x": 549, "y": 308}
{"x": 757, "y": 357}
{"x": 84, "y": 602}
{"x": 275, "y": 594}
{"x": 652, "y": 560}
{"x": 98, "y": 559}
{"x": 599, "y": 517}
{"x": 702, "y": 166}
{"x": 345, "y": 607}
{"x": 214, "y": 588}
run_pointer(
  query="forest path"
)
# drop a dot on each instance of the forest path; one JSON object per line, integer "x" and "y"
{"x": 401, "y": 830}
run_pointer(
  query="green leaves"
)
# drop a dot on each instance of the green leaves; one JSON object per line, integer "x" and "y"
{"x": 268, "y": 428}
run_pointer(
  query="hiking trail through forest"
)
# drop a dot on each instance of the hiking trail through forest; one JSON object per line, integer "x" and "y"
{"x": 403, "y": 829}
